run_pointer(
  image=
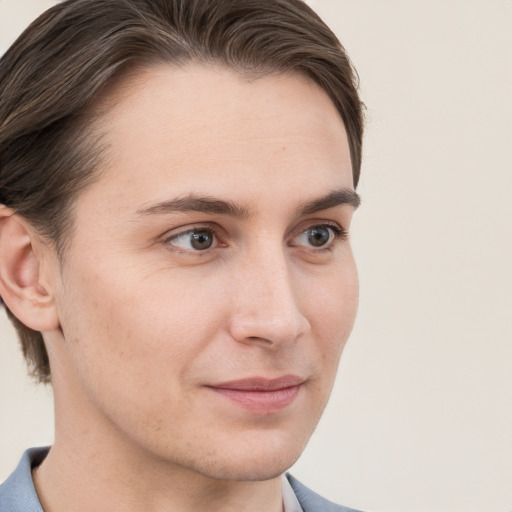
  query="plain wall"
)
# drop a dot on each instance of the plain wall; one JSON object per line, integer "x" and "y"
{"x": 421, "y": 414}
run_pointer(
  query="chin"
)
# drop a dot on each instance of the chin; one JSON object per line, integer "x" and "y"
{"x": 246, "y": 470}
{"x": 256, "y": 461}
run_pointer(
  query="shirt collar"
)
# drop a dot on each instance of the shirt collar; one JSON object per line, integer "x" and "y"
{"x": 18, "y": 492}
{"x": 290, "y": 501}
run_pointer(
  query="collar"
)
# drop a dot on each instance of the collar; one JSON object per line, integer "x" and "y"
{"x": 290, "y": 501}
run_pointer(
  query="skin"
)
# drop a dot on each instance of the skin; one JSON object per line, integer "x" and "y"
{"x": 144, "y": 324}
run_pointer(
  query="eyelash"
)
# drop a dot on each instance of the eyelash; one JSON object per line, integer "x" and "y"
{"x": 338, "y": 234}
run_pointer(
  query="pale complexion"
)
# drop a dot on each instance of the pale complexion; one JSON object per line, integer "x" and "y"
{"x": 214, "y": 247}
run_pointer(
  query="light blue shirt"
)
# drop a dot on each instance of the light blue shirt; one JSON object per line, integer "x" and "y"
{"x": 17, "y": 493}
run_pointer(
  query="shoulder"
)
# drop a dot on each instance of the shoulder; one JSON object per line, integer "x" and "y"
{"x": 17, "y": 493}
{"x": 311, "y": 501}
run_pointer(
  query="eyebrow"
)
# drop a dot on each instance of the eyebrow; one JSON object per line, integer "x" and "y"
{"x": 211, "y": 205}
{"x": 335, "y": 198}
{"x": 203, "y": 204}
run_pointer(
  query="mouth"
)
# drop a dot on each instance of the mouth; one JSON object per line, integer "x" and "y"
{"x": 261, "y": 395}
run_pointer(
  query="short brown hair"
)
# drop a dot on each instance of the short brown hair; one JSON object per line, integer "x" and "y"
{"x": 65, "y": 58}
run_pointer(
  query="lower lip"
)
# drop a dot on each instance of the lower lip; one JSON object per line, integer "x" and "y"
{"x": 261, "y": 401}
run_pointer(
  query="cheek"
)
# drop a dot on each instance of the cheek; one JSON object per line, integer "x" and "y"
{"x": 333, "y": 310}
{"x": 141, "y": 343}
{"x": 139, "y": 322}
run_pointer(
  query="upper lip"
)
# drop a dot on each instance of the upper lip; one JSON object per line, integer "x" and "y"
{"x": 261, "y": 383}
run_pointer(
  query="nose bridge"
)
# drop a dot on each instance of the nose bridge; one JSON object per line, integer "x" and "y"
{"x": 265, "y": 305}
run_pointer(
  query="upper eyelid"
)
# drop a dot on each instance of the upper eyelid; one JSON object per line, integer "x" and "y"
{"x": 191, "y": 230}
{"x": 187, "y": 228}
{"x": 308, "y": 224}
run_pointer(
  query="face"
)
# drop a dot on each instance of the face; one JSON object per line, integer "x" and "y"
{"x": 209, "y": 286}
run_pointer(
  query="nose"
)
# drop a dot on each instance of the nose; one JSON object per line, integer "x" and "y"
{"x": 265, "y": 309}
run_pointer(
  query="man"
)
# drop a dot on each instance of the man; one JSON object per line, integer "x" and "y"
{"x": 177, "y": 180}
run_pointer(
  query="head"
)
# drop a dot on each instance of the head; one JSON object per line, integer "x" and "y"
{"x": 177, "y": 177}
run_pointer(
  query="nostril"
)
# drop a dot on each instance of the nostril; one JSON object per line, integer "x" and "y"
{"x": 260, "y": 329}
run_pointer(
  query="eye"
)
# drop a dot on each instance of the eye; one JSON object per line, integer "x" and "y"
{"x": 320, "y": 236}
{"x": 198, "y": 239}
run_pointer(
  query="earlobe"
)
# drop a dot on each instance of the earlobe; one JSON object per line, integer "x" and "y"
{"x": 20, "y": 275}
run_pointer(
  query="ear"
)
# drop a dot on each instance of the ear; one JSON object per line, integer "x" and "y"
{"x": 22, "y": 286}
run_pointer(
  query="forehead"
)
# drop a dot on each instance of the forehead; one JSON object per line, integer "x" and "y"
{"x": 208, "y": 127}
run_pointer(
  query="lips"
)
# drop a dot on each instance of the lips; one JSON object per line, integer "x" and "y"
{"x": 261, "y": 395}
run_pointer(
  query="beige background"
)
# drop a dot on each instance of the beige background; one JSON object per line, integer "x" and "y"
{"x": 421, "y": 416}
